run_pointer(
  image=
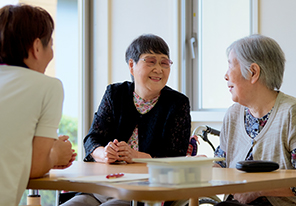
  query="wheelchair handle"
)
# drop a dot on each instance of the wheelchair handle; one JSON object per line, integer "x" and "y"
{"x": 206, "y": 129}
{"x": 212, "y": 131}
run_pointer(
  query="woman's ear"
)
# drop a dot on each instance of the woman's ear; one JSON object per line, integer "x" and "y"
{"x": 131, "y": 66}
{"x": 37, "y": 44}
{"x": 255, "y": 72}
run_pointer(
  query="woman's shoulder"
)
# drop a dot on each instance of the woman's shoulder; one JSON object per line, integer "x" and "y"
{"x": 119, "y": 91}
{"x": 286, "y": 102}
{"x": 170, "y": 93}
{"x": 233, "y": 110}
{"x": 287, "y": 98}
{"x": 48, "y": 82}
{"x": 34, "y": 78}
{"x": 235, "y": 106}
{"x": 121, "y": 86}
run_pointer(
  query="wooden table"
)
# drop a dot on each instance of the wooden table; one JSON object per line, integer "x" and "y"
{"x": 225, "y": 181}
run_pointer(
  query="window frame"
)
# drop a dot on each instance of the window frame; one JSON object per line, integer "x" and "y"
{"x": 189, "y": 85}
{"x": 85, "y": 71}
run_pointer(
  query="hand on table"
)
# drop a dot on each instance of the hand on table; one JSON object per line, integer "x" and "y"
{"x": 65, "y": 154}
{"x": 110, "y": 152}
{"x": 74, "y": 154}
{"x": 125, "y": 152}
{"x": 117, "y": 151}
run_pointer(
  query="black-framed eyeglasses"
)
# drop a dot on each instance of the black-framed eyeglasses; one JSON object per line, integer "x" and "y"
{"x": 152, "y": 61}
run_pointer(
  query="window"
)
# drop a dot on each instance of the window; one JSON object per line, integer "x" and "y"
{"x": 214, "y": 26}
{"x": 66, "y": 65}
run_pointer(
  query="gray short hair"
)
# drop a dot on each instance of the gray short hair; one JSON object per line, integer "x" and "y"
{"x": 263, "y": 51}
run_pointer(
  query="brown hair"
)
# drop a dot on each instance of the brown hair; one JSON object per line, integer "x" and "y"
{"x": 20, "y": 26}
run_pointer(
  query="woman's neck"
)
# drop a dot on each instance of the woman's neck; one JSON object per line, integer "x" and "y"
{"x": 263, "y": 103}
{"x": 147, "y": 95}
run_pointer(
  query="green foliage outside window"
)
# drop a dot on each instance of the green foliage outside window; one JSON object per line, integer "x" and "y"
{"x": 68, "y": 126}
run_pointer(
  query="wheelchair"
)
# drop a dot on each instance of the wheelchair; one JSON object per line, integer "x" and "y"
{"x": 200, "y": 132}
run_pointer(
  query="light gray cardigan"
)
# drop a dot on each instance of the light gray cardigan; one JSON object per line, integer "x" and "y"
{"x": 275, "y": 141}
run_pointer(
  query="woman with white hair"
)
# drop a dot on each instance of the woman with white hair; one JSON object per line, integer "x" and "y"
{"x": 261, "y": 124}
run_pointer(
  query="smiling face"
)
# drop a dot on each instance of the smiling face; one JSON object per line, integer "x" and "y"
{"x": 237, "y": 84}
{"x": 149, "y": 80}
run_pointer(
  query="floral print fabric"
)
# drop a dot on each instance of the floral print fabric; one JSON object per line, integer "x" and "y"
{"x": 142, "y": 107}
{"x": 253, "y": 127}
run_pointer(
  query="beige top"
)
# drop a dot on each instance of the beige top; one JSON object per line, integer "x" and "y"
{"x": 30, "y": 105}
{"x": 275, "y": 142}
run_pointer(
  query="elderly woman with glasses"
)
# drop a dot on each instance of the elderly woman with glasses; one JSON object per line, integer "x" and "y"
{"x": 139, "y": 119}
{"x": 261, "y": 125}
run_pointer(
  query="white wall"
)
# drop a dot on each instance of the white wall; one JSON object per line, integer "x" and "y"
{"x": 277, "y": 19}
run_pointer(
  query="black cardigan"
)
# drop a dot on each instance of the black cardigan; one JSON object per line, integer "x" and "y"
{"x": 162, "y": 132}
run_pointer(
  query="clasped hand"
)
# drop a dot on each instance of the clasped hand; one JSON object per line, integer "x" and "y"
{"x": 66, "y": 154}
{"x": 118, "y": 151}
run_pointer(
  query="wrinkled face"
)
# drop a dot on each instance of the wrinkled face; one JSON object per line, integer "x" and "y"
{"x": 237, "y": 84}
{"x": 151, "y": 74}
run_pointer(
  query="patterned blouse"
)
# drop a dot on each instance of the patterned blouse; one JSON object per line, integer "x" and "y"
{"x": 143, "y": 106}
{"x": 253, "y": 127}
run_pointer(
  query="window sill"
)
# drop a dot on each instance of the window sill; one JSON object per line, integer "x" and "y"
{"x": 207, "y": 116}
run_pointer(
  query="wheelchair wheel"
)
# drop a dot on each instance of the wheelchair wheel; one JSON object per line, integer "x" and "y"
{"x": 207, "y": 201}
